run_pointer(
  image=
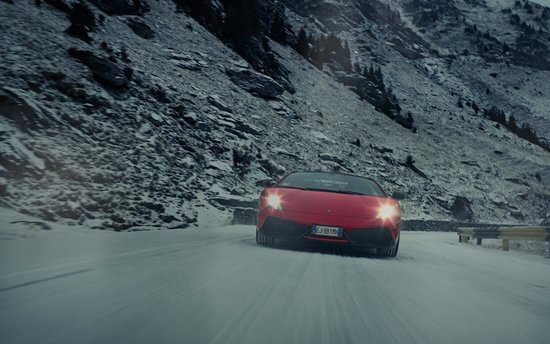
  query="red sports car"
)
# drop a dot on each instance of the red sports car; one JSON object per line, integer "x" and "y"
{"x": 331, "y": 208}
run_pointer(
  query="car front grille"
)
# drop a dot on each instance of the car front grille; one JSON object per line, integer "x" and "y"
{"x": 370, "y": 237}
{"x": 284, "y": 229}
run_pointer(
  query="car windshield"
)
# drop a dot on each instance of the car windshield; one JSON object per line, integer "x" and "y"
{"x": 332, "y": 182}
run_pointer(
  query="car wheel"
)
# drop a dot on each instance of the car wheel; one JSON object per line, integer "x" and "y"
{"x": 388, "y": 252}
{"x": 262, "y": 239}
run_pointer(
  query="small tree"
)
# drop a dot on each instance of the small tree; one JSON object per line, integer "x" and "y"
{"x": 512, "y": 125}
{"x": 82, "y": 21}
{"x": 277, "y": 30}
{"x": 475, "y": 107}
{"x": 303, "y": 44}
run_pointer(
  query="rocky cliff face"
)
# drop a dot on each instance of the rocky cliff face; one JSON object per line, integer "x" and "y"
{"x": 142, "y": 115}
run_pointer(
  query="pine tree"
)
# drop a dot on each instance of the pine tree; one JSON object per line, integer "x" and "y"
{"x": 512, "y": 125}
{"x": 82, "y": 21}
{"x": 346, "y": 57}
{"x": 379, "y": 79}
{"x": 475, "y": 107}
{"x": 242, "y": 23}
{"x": 278, "y": 31}
{"x": 303, "y": 44}
{"x": 242, "y": 19}
{"x": 332, "y": 44}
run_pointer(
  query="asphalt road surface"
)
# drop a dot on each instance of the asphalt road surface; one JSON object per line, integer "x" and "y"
{"x": 217, "y": 286}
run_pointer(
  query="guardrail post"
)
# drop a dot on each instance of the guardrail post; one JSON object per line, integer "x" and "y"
{"x": 505, "y": 244}
{"x": 478, "y": 241}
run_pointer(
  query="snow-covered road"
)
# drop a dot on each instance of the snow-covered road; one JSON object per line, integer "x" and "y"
{"x": 71, "y": 285}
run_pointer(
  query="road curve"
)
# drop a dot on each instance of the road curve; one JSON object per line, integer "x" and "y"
{"x": 217, "y": 286}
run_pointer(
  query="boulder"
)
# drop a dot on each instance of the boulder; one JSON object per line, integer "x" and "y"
{"x": 461, "y": 209}
{"x": 272, "y": 167}
{"x": 188, "y": 62}
{"x": 516, "y": 214}
{"x": 22, "y": 110}
{"x": 104, "y": 70}
{"x": 242, "y": 157}
{"x": 331, "y": 157}
{"x": 159, "y": 208}
{"x": 234, "y": 202}
{"x": 121, "y": 7}
{"x": 442, "y": 201}
{"x": 498, "y": 201}
{"x": 244, "y": 216}
{"x": 140, "y": 28}
{"x": 219, "y": 104}
{"x": 219, "y": 165}
{"x": 399, "y": 195}
{"x": 248, "y": 128}
{"x": 191, "y": 118}
{"x": 256, "y": 83}
{"x": 282, "y": 110}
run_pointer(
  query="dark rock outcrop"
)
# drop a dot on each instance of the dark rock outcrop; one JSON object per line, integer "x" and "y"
{"x": 122, "y": 7}
{"x": 461, "y": 209}
{"x": 104, "y": 70}
{"x": 24, "y": 113}
{"x": 140, "y": 28}
{"x": 330, "y": 157}
{"x": 234, "y": 202}
{"x": 245, "y": 216}
{"x": 254, "y": 82}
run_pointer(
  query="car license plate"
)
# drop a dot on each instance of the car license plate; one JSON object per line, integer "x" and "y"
{"x": 327, "y": 231}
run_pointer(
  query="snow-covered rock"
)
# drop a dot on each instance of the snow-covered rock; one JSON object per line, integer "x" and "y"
{"x": 254, "y": 82}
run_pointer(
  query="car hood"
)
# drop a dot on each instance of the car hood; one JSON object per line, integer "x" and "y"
{"x": 330, "y": 203}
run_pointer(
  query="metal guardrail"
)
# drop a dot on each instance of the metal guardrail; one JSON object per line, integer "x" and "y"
{"x": 506, "y": 234}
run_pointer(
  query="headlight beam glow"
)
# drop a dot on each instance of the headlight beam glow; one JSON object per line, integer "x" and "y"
{"x": 274, "y": 202}
{"x": 386, "y": 211}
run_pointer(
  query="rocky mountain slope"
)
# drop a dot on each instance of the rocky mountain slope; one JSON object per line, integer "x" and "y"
{"x": 144, "y": 117}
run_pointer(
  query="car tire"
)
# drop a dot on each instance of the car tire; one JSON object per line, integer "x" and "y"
{"x": 388, "y": 252}
{"x": 262, "y": 239}
{"x": 259, "y": 238}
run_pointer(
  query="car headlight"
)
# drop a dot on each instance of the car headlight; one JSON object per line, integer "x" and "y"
{"x": 386, "y": 211}
{"x": 274, "y": 202}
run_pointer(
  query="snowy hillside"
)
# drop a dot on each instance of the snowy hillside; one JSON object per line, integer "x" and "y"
{"x": 157, "y": 123}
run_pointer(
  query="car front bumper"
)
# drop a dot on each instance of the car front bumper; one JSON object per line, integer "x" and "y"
{"x": 369, "y": 237}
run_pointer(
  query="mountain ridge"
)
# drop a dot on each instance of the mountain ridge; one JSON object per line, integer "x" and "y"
{"x": 180, "y": 142}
